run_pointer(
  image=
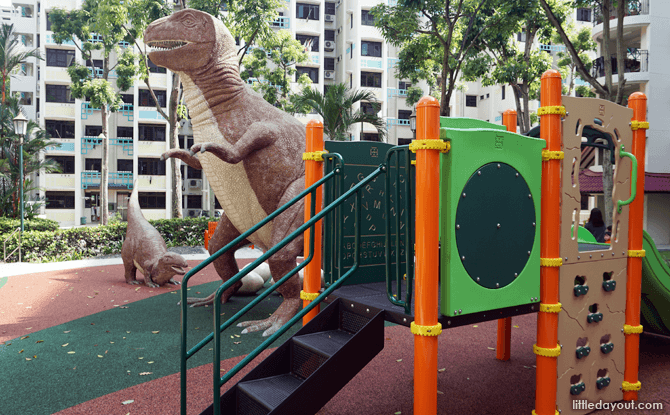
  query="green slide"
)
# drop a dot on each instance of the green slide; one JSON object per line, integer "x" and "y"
{"x": 655, "y": 290}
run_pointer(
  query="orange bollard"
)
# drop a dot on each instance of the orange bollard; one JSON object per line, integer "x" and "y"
{"x": 505, "y": 324}
{"x": 547, "y": 322}
{"x": 313, "y": 173}
{"x": 425, "y": 326}
{"x": 638, "y": 102}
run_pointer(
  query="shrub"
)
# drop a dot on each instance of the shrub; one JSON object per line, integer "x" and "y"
{"x": 85, "y": 242}
{"x": 8, "y": 225}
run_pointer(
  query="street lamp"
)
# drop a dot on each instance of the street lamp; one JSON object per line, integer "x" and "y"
{"x": 412, "y": 122}
{"x": 20, "y": 124}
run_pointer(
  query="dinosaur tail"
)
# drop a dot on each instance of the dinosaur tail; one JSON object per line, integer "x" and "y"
{"x": 134, "y": 203}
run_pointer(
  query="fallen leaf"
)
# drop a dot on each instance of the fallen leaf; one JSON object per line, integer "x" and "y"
{"x": 70, "y": 352}
{"x": 40, "y": 341}
{"x": 112, "y": 342}
{"x": 475, "y": 325}
{"x": 146, "y": 373}
{"x": 442, "y": 370}
{"x": 173, "y": 292}
{"x": 388, "y": 338}
{"x": 527, "y": 367}
{"x": 440, "y": 393}
{"x": 127, "y": 402}
{"x": 237, "y": 342}
{"x": 123, "y": 306}
{"x": 140, "y": 358}
{"x": 150, "y": 362}
{"x": 399, "y": 360}
{"x": 35, "y": 356}
{"x": 127, "y": 332}
{"x": 65, "y": 344}
{"x": 24, "y": 337}
{"x": 21, "y": 351}
{"x": 516, "y": 327}
{"x": 89, "y": 296}
{"x": 27, "y": 358}
{"x": 100, "y": 356}
{"x": 138, "y": 288}
{"x": 67, "y": 331}
{"x": 116, "y": 305}
{"x": 28, "y": 328}
{"x": 237, "y": 335}
{"x": 397, "y": 413}
{"x": 156, "y": 332}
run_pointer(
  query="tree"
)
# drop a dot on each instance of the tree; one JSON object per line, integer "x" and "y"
{"x": 435, "y": 37}
{"x": 12, "y": 54}
{"x": 607, "y": 91}
{"x": 336, "y": 109}
{"x": 583, "y": 43}
{"x": 273, "y": 67}
{"x": 36, "y": 140}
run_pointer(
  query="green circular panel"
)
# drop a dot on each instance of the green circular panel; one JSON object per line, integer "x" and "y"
{"x": 495, "y": 225}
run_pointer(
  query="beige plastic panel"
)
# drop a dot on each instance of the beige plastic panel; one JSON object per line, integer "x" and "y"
{"x": 572, "y": 326}
{"x": 616, "y": 120}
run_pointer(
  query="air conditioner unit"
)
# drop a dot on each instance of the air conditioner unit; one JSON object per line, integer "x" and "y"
{"x": 329, "y": 46}
{"x": 329, "y": 74}
{"x": 193, "y": 213}
{"x": 330, "y": 18}
{"x": 194, "y": 183}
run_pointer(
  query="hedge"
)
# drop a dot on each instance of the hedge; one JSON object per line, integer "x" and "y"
{"x": 8, "y": 225}
{"x": 85, "y": 242}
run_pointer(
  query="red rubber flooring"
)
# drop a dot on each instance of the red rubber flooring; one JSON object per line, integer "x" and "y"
{"x": 470, "y": 380}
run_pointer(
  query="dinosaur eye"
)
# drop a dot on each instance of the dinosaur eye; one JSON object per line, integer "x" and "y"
{"x": 189, "y": 21}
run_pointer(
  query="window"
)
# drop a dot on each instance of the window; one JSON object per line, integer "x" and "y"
{"x": 330, "y": 8}
{"x": 124, "y": 165}
{"x": 127, "y": 98}
{"x": 371, "y": 49}
{"x": 371, "y": 79}
{"x": 404, "y": 85}
{"x": 151, "y": 167}
{"x": 60, "y": 57}
{"x": 370, "y": 107}
{"x": 124, "y": 132}
{"x": 481, "y": 97}
{"x": 151, "y": 132}
{"x": 404, "y": 114}
{"x": 189, "y": 142}
{"x": 521, "y": 36}
{"x": 96, "y": 63}
{"x": 503, "y": 92}
{"x": 371, "y": 137}
{"x": 329, "y": 35}
{"x": 217, "y": 205}
{"x": 352, "y": 21}
{"x": 329, "y": 64}
{"x": 313, "y": 73}
{"x": 583, "y": 15}
{"x": 487, "y": 96}
{"x": 59, "y": 93}
{"x": 152, "y": 200}
{"x": 193, "y": 173}
{"x": 146, "y": 100}
{"x": 66, "y": 163}
{"x": 471, "y": 100}
{"x": 367, "y": 19}
{"x": 155, "y": 69}
{"x": 93, "y": 164}
{"x": 92, "y": 131}
{"x": 194, "y": 201}
{"x": 305, "y": 41}
{"x": 60, "y": 200}
{"x": 307, "y": 11}
{"x": 60, "y": 129}
{"x": 48, "y": 22}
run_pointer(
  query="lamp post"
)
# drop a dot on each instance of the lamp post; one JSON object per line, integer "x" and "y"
{"x": 412, "y": 122}
{"x": 20, "y": 124}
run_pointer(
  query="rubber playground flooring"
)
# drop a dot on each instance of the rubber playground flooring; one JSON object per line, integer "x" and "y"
{"x": 84, "y": 342}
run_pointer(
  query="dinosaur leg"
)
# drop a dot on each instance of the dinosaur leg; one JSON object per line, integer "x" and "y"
{"x": 225, "y": 265}
{"x": 282, "y": 262}
{"x": 130, "y": 273}
{"x": 184, "y": 156}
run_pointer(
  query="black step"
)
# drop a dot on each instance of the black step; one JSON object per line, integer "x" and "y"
{"x": 310, "y": 351}
{"x": 266, "y": 392}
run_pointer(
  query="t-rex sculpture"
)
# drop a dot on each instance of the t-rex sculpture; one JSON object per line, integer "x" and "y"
{"x": 144, "y": 249}
{"x": 250, "y": 151}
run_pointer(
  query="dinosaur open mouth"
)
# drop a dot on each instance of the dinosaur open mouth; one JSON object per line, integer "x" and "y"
{"x": 179, "y": 270}
{"x": 163, "y": 45}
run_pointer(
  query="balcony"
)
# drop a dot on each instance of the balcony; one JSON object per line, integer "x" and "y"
{"x": 87, "y": 110}
{"x": 396, "y": 121}
{"x": 50, "y": 41}
{"x": 89, "y": 143}
{"x": 392, "y": 63}
{"x": 553, "y": 48}
{"x": 394, "y": 92}
{"x": 281, "y": 23}
{"x": 121, "y": 179}
{"x": 634, "y": 8}
{"x": 61, "y": 147}
{"x": 636, "y": 61}
{"x": 126, "y": 144}
{"x": 375, "y": 63}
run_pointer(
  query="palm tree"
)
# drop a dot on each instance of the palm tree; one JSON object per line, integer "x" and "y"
{"x": 336, "y": 109}
{"x": 12, "y": 54}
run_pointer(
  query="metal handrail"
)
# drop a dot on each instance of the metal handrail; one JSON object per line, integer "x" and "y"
{"x": 4, "y": 245}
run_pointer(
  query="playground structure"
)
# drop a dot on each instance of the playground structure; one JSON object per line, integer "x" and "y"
{"x": 508, "y": 211}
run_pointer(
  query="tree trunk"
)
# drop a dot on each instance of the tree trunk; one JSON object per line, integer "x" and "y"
{"x": 608, "y": 184}
{"x": 607, "y": 56}
{"x": 174, "y": 143}
{"x": 620, "y": 51}
{"x": 517, "y": 101}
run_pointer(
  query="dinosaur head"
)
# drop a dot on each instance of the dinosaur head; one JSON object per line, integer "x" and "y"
{"x": 188, "y": 40}
{"x": 169, "y": 265}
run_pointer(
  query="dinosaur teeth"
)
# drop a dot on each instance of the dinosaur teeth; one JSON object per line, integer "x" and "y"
{"x": 165, "y": 45}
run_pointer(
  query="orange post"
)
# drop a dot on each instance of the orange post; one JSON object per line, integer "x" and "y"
{"x": 313, "y": 173}
{"x": 547, "y": 348}
{"x": 638, "y": 102}
{"x": 505, "y": 324}
{"x": 425, "y": 326}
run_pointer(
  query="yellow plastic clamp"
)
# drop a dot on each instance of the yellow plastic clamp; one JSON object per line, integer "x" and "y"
{"x": 443, "y": 146}
{"x": 637, "y": 253}
{"x": 551, "y": 262}
{"x": 308, "y": 296}
{"x": 314, "y": 156}
{"x": 639, "y": 125}
{"x": 555, "y": 109}
{"x": 552, "y": 155}
{"x": 413, "y": 162}
{"x": 535, "y": 413}
{"x": 627, "y": 386}
{"x": 550, "y": 308}
{"x": 541, "y": 351}
{"x": 426, "y": 330}
{"x": 632, "y": 329}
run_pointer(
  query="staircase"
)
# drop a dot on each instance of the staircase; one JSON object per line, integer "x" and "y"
{"x": 304, "y": 373}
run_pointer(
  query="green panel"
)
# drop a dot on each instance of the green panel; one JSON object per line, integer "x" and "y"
{"x": 361, "y": 158}
{"x": 495, "y": 210}
{"x": 496, "y": 257}
{"x": 468, "y": 123}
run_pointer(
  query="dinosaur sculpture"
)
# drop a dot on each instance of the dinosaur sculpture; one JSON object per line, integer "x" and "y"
{"x": 144, "y": 249}
{"x": 250, "y": 151}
